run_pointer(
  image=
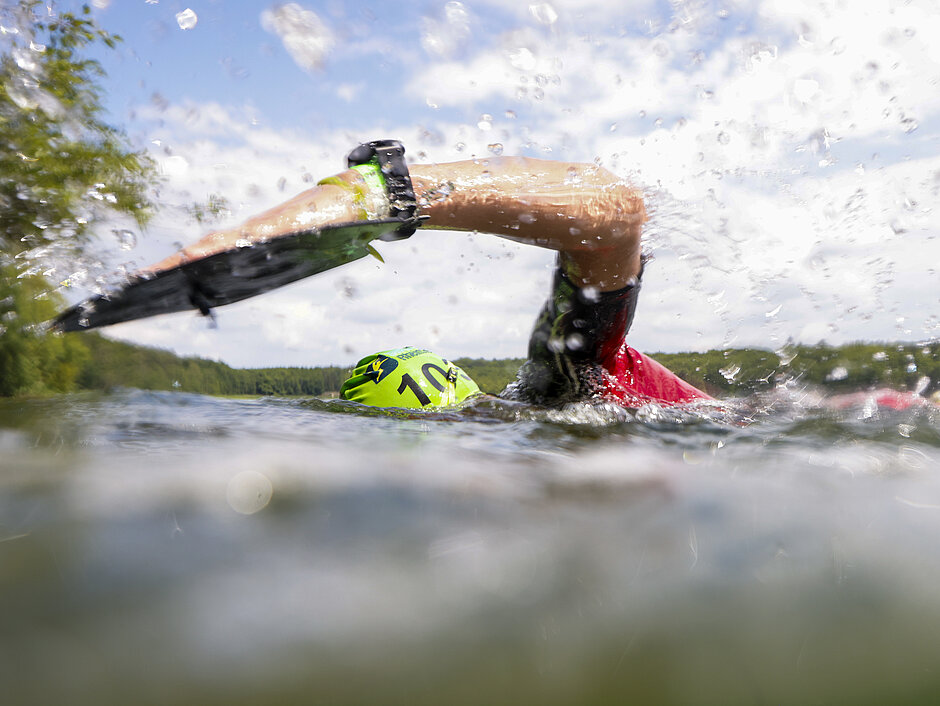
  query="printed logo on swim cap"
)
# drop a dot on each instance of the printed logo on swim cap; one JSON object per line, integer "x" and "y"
{"x": 379, "y": 368}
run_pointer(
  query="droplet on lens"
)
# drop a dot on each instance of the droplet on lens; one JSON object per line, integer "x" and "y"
{"x": 186, "y": 19}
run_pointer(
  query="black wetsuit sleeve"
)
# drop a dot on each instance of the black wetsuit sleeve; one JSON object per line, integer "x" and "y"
{"x": 577, "y": 330}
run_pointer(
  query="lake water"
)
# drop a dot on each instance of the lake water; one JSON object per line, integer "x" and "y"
{"x": 172, "y": 548}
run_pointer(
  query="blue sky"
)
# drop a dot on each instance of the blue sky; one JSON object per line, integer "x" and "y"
{"x": 789, "y": 150}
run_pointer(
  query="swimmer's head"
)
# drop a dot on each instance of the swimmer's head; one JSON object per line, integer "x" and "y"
{"x": 407, "y": 377}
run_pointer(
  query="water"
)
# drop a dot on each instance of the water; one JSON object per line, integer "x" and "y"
{"x": 173, "y": 548}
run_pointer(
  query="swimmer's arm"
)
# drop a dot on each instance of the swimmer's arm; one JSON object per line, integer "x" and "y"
{"x": 584, "y": 212}
{"x": 323, "y": 204}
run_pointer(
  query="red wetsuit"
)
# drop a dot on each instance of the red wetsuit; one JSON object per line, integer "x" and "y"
{"x": 578, "y": 351}
{"x": 636, "y": 379}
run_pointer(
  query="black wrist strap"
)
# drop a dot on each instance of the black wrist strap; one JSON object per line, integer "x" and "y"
{"x": 389, "y": 156}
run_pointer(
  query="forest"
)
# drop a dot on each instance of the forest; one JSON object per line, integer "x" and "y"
{"x": 740, "y": 371}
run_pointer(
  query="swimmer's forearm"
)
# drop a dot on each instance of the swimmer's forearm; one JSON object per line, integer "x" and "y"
{"x": 583, "y": 211}
{"x": 314, "y": 207}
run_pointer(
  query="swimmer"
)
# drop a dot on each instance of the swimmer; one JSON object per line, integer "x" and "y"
{"x": 589, "y": 216}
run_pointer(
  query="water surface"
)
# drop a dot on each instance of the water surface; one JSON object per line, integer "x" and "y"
{"x": 173, "y": 548}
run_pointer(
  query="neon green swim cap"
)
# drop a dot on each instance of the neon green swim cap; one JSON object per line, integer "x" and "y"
{"x": 407, "y": 377}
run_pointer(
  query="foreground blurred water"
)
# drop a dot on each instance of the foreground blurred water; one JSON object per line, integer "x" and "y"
{"x": 173, "y": 548}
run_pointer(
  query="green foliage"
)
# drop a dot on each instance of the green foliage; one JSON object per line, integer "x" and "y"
{"x": 31, "y": 362}
{"x": 61, "y": 165}
{"x": 114, "y": 364}
{"x": 854, "y": 366}
{"x": 491, "y": 376}
{"x": 62, "y": 169}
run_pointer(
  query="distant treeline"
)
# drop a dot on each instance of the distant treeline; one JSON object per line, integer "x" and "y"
{"x": 854, "y": 366}
{"x": 115, "y": 364}
{"x": 721, "y": 372}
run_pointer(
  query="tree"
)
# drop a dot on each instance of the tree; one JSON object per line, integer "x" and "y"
{"x": 63, "y": 170}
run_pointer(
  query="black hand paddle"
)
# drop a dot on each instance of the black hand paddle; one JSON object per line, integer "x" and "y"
{"x": 231, "y": 275}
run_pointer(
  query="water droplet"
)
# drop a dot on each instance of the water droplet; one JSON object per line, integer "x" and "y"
{"x": 909, "y": 125}
{"x": 126, "y": 239}
{"x": 880, "y": 356}
{"x": 591, "y": 294}
{"x": 771, "y": 314}
{"x": 575, "y": 342}
{"x": 496, "y": 148}
{"x": 724, "y": 138}
{"x": 526, "y": 218}
{"x": 522, "y": 59}
{"x": 249, "y": 492}
{"x": 186, "y": 19}
{"x": 544, "y": 13}
{"x": 759, "y": 55}
{"x": 485, "y": 122}
{"x": 24, "y": 59}
{"x": 460, "y": 147}
{"x": 642, "y": 114}
{"x": 730, "y": 373}
{"x": 175, "y": 166}
{"x": 511, "y": 114}
{"x": 348, "y": 288}
{"x": 304, "y": 35}
{"x": 837, "y": 373}
{"x": 446, "y": 36}
{"x": 786, "y": 355}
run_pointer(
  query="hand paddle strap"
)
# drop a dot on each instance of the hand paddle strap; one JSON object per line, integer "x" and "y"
{"x": 389, "y": 157}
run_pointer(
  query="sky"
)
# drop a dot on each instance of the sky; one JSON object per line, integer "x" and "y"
{"x": 788, "y": 150}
